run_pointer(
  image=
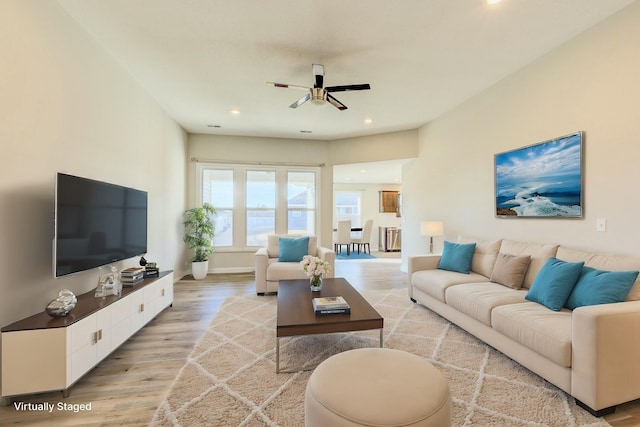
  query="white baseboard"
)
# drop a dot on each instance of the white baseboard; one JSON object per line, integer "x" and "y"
{"x": 231, "y": 270}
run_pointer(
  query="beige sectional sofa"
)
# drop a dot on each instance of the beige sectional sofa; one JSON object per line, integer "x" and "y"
{"x": 592, "y": 352}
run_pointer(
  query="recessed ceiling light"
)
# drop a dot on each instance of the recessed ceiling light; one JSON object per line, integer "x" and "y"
{"x": 235, "y": 111}
{"x": 363, "y": 171}
{"x": 493, "y": 1}
{"x": 368, "y": 121}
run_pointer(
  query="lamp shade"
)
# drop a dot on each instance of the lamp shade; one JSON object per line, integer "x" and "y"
{"x": 431, "y": 228}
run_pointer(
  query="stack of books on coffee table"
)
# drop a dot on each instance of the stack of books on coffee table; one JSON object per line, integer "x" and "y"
{"x": 331, "y": 305}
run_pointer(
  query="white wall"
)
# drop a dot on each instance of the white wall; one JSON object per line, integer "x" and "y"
{"x": 589, "y": 84}
{"x": 66, "y": 106}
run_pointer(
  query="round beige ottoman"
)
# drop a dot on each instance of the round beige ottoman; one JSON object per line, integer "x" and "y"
{"x": 376, "y": 387}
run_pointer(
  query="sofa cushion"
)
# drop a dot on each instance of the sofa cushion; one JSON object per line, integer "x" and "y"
{"x": 457, "y": 257}
{"x": 273, "y": 244}
{"x": 601, "y": 287}
{"x": 479, "y": 299}
{"x": 554, "y": 283}
{"x": 484, "y": 257}
{"x": 436, "y": 282}
{"x": 284, "y": 270}
{"x": 573, "y": 255}
{"x": 509, "y": 270}
{"x": 539, "y": 255}
{"x": 546, "y": 332}
{"x": 293, "y": 249}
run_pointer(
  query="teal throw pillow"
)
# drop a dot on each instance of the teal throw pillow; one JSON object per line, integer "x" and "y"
{"x": 601, "y": 287}
{"x": 457, "y": 257}
{"x": 293, "y": 249}
{"x": 554, "y": 283}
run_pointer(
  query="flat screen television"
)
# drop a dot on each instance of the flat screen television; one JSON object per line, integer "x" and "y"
{"x": 96, "y": 223}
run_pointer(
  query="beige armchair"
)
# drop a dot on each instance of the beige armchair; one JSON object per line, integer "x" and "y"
{"x": 269, "y": 270}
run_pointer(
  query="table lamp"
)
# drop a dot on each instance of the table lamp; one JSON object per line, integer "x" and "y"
{"x": 431, "y": 229}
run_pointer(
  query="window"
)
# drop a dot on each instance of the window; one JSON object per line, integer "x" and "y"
{"x": 253, "y": 202}
{"x": 301, "y": 202}
{"x": 260, "y": 206}
{"x": 217, "y": 189}
{"x": 348, "y": 207}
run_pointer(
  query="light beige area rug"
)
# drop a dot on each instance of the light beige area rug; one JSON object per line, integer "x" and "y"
{"x": 230, "y": 380}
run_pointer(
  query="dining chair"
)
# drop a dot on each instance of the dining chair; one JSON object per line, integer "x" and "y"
{"x": 365, "y": 238}
{"x": 343, "y": 237}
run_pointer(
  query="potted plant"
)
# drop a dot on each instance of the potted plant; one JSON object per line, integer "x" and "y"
{"x": 199, "y": 230}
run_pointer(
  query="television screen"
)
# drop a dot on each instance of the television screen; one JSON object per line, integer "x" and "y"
{"x": 96, "y": 223}
{"x": 541, "y": 180}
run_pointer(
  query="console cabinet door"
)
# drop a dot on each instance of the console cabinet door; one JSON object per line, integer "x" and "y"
{"x": 137, "y": 310}
{"x": 165, "y": 293}
{"x": 120, "y": 328}
{"x": 90, "y": 342}
{"x": 150, "y": 297}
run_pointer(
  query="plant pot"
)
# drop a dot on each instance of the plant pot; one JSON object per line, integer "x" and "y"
{"x": 200, "y": 269}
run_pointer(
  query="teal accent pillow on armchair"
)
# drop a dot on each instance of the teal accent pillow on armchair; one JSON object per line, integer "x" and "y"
{"x": 457, "y": 257}
{"x": 554, "y": 283}
{"x": 293, "y": 249}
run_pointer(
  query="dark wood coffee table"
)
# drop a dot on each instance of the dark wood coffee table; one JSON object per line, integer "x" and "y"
{"x": 296, "y": 316}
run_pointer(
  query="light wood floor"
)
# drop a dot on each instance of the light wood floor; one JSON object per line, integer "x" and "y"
{"x": 126, "y": 388}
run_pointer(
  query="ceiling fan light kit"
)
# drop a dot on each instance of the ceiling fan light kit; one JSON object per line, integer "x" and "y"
{"x": 318, "y": 94}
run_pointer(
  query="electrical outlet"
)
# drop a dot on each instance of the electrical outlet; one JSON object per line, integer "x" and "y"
{"x": 601, "y": 224}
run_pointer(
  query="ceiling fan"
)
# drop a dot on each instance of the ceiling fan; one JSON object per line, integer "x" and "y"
{"x": 319, "y": 94}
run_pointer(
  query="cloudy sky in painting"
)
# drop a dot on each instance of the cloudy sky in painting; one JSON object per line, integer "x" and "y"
{"x": 550, "y": 165}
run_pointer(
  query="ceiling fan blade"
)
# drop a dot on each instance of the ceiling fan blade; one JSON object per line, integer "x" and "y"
{"x": 285, "y": 85}
{"x": 345, "y": 88}
{"x": 318, "y": 75}
{"x": 301, "y": 101}
{"x": 339, "y": 105}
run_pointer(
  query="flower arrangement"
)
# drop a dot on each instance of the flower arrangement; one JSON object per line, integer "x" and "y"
{"x": 314, "y": 266}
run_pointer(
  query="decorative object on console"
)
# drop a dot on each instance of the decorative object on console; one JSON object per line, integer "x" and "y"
{"x": 199, "y": 231}
{"x": 431, "y": 229}
{"x": 132, "y": 276}
{"x": 541, "y": 180}
{"x": 109, "y": 284}
{"x": 315, "y": 269}
{"x": 151, "y": 270}
{"x": 63, "y": 304}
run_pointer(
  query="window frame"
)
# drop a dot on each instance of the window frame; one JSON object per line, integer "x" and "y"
{"x": 239, "y": 239}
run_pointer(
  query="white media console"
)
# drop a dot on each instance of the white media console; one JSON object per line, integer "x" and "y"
{"x": 42, "y": 353}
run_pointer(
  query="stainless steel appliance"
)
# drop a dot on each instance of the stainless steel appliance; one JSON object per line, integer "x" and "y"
{"x": 390, "y": 239}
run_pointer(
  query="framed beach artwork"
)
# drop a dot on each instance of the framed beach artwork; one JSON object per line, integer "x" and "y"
{"x": 541, "y": 180}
